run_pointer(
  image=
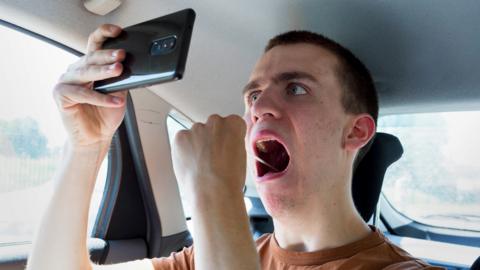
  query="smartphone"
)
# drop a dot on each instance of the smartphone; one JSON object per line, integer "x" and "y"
{"x": 156, "y": 52}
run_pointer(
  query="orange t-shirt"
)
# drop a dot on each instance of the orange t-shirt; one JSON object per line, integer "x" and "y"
{"x": 373, "y": 252}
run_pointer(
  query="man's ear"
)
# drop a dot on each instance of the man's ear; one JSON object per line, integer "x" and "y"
{"x": 359, "y": 133}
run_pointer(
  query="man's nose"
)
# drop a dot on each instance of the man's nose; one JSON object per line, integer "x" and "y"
{"x": 267, "y": 104}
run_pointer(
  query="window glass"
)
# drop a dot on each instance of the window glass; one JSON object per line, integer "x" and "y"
{"x": 31, "y": 133}
{"x": 437, "y": 180}
{"x": 173, "y": 126}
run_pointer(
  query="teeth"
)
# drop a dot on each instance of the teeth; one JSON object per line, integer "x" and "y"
{"x": 261, "y": 145}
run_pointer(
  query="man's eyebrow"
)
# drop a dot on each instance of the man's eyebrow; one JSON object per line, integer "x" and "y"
{"x": 283, "y": 77}
{"x": 249, "y": 86}
{"x": 294, "y": 75}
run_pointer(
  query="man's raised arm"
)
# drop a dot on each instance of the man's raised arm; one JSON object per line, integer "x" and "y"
{"x": 210, "y": 160}
{"x": 90, "y": 119}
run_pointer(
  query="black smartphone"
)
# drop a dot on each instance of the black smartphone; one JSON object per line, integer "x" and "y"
{"x": 156, "y": 52}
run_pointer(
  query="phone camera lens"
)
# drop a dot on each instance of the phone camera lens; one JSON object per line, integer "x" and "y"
{"x": 163, "y": 45}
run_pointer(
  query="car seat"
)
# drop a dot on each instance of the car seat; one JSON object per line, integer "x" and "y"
{"x": 476, "y": 264}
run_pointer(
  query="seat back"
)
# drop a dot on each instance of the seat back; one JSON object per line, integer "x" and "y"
{"x": 476, "y": 264}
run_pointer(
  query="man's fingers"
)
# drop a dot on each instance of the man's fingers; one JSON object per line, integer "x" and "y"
{"x": 236, "y": 121}
{"x": 67, "y": 96}
{"x": 121, "y": 94}
{"x": 96, "y": 64}
{"x": 91, "y": 73}
{"x": 100, "y": 57}
{"x": 96, "y": 39}
{"x": 233, "y": 121}
{"x": 104, "y": 57}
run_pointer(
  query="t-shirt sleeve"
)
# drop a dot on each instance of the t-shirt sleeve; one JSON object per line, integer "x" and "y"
{"x": 412, "y": 265}
{"x": 182, "y": 260}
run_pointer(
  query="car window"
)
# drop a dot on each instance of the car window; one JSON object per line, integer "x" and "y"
{"x": 31, "y": 133}
{"x": 175, "y": 124}
{"x": 436, "y": 182}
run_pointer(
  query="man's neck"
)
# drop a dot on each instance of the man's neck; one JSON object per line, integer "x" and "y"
{"x": 320, "y": 228}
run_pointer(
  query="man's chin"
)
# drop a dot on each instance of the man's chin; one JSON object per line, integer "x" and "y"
{"x": 277, "y": 202}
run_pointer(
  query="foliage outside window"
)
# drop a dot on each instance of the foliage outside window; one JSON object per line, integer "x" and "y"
{"x": 31, "y": 134}
{"x": 436, "y": 182}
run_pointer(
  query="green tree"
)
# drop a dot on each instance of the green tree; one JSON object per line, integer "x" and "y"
{"x": 25, "y": 136}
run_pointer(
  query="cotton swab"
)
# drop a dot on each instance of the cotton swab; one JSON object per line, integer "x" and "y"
{"x": 264, "y": 162}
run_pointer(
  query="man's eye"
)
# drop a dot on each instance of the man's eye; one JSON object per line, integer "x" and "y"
{"x": 253, "y": 96}
{"x": 296, "y": 89}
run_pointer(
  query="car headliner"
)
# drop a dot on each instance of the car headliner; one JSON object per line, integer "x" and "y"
{"x": 423, "y": 55}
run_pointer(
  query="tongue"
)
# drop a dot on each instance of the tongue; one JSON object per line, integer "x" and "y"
{"x": 275, "y": 155}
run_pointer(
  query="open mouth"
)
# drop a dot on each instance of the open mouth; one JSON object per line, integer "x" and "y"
{"x": 274, "y": 157}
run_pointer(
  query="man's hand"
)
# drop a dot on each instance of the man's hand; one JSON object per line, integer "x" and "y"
{"x": 91, "y": 119}
{"x": 89, "y": 116}
{"x": 210, "y": 161}
{"x": 211, "y": 157}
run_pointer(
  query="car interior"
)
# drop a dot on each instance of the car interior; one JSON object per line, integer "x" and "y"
{"x": 423, "y": 56}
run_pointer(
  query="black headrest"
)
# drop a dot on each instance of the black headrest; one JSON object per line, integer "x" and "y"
{"x": 370, "y": 169}
{"x": 476, "y": 264}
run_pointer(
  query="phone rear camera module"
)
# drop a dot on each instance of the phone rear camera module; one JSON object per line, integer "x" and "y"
{"x": 163, "y": 45}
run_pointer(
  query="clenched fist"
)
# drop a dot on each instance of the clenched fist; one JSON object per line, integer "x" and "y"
{"x": 211, "y": 157}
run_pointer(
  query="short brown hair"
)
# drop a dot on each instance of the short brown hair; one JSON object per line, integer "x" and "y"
{"x": 359, "y": 95}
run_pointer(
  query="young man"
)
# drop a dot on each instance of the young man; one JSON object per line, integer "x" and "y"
{"x": 310, "y": 107}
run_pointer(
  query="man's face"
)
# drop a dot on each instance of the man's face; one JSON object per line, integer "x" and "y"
{"x": 295, "y": 122}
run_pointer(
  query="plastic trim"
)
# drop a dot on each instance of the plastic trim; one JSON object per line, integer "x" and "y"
{"x": 154, "y": 228}
{"x": 112, "y": 186}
